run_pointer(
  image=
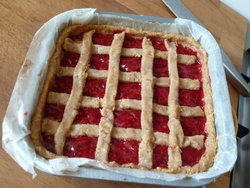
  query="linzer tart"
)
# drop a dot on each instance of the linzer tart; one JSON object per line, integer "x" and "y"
{"x": 127, "y": 98}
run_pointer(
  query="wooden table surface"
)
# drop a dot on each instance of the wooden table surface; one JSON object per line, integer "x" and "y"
{"x": 20, "y": 19}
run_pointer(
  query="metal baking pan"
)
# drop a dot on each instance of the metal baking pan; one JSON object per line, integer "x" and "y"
{"x": 16, "y": 139}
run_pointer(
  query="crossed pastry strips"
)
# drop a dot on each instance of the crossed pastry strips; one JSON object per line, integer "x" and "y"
{"x": 175, "y": 140}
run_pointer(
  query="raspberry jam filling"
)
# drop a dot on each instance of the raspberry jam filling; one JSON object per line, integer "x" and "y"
{"x": 94, "y": 88}
{"x": 126, "y": 151}
{"x": 127, "y": 118}
{"x": 160, "y": 156}
{"x": 83, "y": 146}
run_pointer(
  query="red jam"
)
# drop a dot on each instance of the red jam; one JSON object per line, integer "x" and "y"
{"x": 160, "y": 156}
{"x": 48, "y": 142}
{"x": 160, "y": 68}
{"x": 191, "y": 156}
{"x": 127, "y": 118}
{"x": 102, "y": 39}
{"x": 158, "y": 44}
{"x": 83, "y": 146}
{"x": 99, "y": 61}
{"x": 193, "y": 125}
{"x": 129, "y": 91}
{"x": 54, "y": 111}
{"x": 160, "y": 123}
{"x": 161, "y": 95}
{"x": 94, "y": 88}
{"x": 62, "y": 84}
{"x": 125, "y": 151}
{"x": 69, "y": 59}
{"x": 191, "y": 97}
{"x": 132, "y": 42}
{"x": 130, "y": 64}
{"x": 88, "y": 116}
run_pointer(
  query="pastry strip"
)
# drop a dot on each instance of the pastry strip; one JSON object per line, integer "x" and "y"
{"x": 72, "y": 105}
{"x": 95, "y": 102}
{"x": 108, "y": 104}
{"x": 72, "y": 46}
{"x": 176, "y": 135}
{"x": 185, "y": 83}
{"x": 49, "y": 127}
{"x": 147, "y": 84}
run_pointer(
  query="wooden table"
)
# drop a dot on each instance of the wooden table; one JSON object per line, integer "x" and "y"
{"x": 21, "y": 19}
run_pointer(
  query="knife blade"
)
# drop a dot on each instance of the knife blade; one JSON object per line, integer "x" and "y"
{"x": 232, "y": 74}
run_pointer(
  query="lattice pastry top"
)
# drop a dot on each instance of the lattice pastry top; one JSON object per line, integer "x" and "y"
{"x": 128, "y": 98}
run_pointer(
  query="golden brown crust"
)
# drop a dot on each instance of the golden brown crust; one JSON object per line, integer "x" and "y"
{"x": 175, "y": 140}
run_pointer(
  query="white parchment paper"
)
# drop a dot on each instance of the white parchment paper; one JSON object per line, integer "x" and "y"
{"x": 16, "y": 140}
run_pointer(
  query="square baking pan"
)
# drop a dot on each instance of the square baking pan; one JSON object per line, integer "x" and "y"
{"x": 16, "y": 140}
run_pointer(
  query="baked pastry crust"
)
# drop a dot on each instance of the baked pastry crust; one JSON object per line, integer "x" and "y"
{"x": 175, "y": 140}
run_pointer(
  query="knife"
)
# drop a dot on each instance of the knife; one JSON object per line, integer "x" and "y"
{"x": 232, "y": 74}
